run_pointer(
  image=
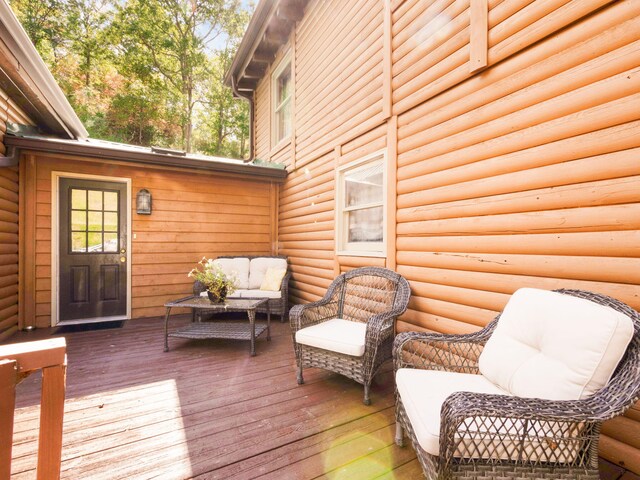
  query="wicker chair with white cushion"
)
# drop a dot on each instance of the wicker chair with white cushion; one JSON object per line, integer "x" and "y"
{"x": 350, "y": 331}
{"x": 524, "y": 397}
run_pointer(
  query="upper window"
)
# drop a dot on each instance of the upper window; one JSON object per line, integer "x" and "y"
{"x": 361, "y": 206}
{"x": 281, "y": 100}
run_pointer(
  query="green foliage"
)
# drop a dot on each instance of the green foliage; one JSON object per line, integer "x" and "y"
{"x": 146, "y": 72}
{"x": 211, "y": 275}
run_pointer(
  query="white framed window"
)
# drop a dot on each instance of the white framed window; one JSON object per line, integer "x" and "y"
{"x": 281, "y": 92}
{"x": 361, "y": 206}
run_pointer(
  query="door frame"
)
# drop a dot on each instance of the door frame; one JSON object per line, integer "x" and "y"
{"x": 55, "y": 257}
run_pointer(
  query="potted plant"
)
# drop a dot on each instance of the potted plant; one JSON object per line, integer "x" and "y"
{"x": 214, "y": 280}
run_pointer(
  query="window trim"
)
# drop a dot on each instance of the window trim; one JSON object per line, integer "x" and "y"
{"x": 284, "y": 62}
{"x": 360, "y": 249}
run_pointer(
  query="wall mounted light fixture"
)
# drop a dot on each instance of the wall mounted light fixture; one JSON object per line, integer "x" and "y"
{"x": 143, "y": 202}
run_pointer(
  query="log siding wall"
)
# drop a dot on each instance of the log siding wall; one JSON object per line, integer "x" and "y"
{"x": 9, "y": 224}
{"x": 524, "y": 173}
{"x": 194, "y": 215}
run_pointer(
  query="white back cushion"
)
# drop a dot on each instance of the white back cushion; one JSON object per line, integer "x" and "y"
{"x": 236, "y": 267}
{"x": 554, "y": 346}
{"x": 259, "y": 267}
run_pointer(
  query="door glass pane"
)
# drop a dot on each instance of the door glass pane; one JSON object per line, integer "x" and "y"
{"x": 95, "y": 200}
{"x": 95, "y": 242}
{"x": 364, "y": 186}
{"x": 79, "y": 220}
{"x": 366, "y": 225}
{"x": 110, "y": 242}
{"x": 78, "y": 242}
{"x": 95, "y": 221}
{"x": 110, "y": 222}
{"x": 111, "y": 201}
{"x": 78, "y": 199}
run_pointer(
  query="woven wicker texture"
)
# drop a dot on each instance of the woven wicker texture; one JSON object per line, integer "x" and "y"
{"x": 486, "y": 436}
{"x": 371, "y": 295}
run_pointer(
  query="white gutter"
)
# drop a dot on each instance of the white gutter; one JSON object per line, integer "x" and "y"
{"x": 32, "y": 65}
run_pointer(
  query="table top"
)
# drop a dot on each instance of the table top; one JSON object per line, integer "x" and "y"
{"x": 229, "y": 304}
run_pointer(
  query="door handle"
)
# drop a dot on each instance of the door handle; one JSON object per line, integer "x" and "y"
{"x": 123, "y": 259}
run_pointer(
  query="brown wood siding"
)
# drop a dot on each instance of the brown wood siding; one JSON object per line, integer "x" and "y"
{"x": 338, "y": 77}
{"x": 524, "y": 174}
{"x": 9, "y": 186}
{"x": 528, "y": 175}
{"x": 431, "y": 50}
{"x": 194, "y": 215}
{"x": 262, "y": 127}
{"x": 306, "y": 228}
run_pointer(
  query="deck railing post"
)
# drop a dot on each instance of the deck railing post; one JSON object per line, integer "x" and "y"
{"x": 51, "y": 417}
{"x": 16, "y": 361}
{"x": 8, "y": 380}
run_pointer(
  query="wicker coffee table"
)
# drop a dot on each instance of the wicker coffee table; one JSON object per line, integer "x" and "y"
{"x": 226, "y": 330}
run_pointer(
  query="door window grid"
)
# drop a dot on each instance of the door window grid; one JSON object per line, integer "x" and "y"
{"x": 94, "y": 221}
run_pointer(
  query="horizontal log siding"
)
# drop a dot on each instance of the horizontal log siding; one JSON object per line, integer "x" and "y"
{"x": 523, "y": 175}
{"x": 431, "y": 40}
{"x": 194, "y": 215}
{"x": 306, "y": 228}
{"x": 526, "y": 176}
{"x": 338, "y": 78}
{"x": 9, "y": 112}
{"x": 262, "y": 126}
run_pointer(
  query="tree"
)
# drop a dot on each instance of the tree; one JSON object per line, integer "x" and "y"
{"x": 42, "y": 21}
{"x": 171, "y": 38}
{"x": 226, "y": 119}
{"x": 88, "y": 25}
{"x": 148, "y": 72}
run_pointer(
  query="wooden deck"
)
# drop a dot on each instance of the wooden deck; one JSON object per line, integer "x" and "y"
{"x": 208, "y": 410}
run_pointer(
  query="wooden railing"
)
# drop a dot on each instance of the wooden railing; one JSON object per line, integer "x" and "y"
{"x": 16, "y": 362}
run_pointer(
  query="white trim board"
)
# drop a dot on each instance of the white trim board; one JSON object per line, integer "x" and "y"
{"x": 55, "y": 258}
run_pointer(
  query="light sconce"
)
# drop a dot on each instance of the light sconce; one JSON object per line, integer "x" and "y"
{"x": 143, "y": 202}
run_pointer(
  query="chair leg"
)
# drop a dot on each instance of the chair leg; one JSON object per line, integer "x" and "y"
{"x": 300, "y": 377}
{"x": 399, "y": 435}
{"x": 366, "y": 400}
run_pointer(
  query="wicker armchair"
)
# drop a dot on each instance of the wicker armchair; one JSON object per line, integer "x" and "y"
{"x": 488, "y": 435}
{"x": 358, "y": 313}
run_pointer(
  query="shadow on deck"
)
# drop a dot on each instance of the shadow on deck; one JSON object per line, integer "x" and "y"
{"x": 208, "y": 410}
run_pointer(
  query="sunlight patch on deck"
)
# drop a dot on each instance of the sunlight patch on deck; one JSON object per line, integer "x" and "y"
{"x": 360, "y": 454}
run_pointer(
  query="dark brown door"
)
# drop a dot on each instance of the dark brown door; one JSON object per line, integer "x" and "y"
{"x": 93, "y": 256}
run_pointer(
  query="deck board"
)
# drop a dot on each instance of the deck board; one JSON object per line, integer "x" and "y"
{"x": 208, "y": 410}
{"x": 205, "y": 409}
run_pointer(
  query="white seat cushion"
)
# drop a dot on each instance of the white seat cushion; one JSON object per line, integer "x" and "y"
{"x": 258, "y": 269}
{"x": 424, "y": 391}
{"x": 336, "y": 335}
{"x": 257, "y": 293}
{"x": 237, "y": 268}
{"x": 250, "y": 294}
{"x": 555, "y": 346}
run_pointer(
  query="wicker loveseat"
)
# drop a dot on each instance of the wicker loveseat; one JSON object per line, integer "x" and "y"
{"x": 525, "y": 396}
{"x": 350, "y": 331}
{"x": 249, "y": 271}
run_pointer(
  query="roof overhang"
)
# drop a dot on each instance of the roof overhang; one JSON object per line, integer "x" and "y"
{"x": 269, "y": 29}
{"x": 29, "y": 83}
{"x": 142, "y": 155}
